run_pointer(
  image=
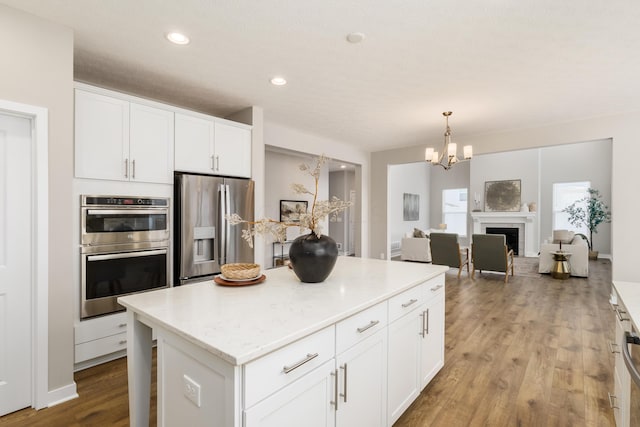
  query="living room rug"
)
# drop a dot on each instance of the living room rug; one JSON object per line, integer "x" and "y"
{"x": 526, "y": 266}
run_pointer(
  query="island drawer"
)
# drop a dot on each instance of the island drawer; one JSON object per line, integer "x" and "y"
{"x": 405, "y": 302}
{"x": 270, "y": 373}
{"x": 361, "y": 325}
{"x": 433, "y": 287}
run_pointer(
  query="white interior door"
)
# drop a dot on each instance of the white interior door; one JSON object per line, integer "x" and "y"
{"x": 16, "y": 270}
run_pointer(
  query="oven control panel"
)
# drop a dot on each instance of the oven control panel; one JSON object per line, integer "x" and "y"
{"x": 123, "y": 201}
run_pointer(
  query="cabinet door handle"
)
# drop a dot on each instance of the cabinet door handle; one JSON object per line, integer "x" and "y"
{"x": 212, "y": 163}
{"x": 122, "y": 325}
{"x": 335, "y": 389}
{"x": 435, "y": 288}
{"x": 126, "y": 168}
{"x": 612, "y": 397}
{"x": 427, "y": 321}
{"x": 122, "y": 342}
{"x": 344, "y": 383}
{"x": 217, "y": 163}
{"x": 133, "y": 167}
{"x": 310, "y": 356}
{"x": 370, "y": 325}
{"x": 407, "y": 304}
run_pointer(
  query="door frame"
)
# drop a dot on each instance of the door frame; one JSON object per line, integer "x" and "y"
{"x": 39, "y": 117}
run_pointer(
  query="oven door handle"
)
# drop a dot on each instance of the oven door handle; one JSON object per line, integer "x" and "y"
{"x": 127, "y": 211}
{"x": 126, "y": 255}
{"x": 630, "y": 338}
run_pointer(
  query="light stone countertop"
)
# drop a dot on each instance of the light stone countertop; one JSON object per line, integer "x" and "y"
{"x": 240, "y": 324}
{"x": 629, "y": 294}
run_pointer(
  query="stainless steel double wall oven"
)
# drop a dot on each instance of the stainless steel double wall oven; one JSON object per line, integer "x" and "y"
{"x": 124, "y": 249}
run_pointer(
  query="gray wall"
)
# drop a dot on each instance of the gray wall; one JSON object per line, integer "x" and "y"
{"x": 412, "y": 178}
{"x": 37, "y": 69}
{"x": 588, "y": 161}
{"x": 341, "y": 183}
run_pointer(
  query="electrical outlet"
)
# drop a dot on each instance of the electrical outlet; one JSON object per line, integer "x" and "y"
{"x": 191, "y": 390}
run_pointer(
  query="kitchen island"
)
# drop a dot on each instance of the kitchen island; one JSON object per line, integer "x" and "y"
{"x": 283, "y": 350}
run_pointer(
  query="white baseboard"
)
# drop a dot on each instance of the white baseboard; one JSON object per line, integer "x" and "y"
{"x": 605, "y": 256}
{"x": 62, "y": 394}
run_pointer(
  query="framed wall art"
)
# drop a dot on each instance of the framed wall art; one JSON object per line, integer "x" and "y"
{"x": 502, "y": 196}
{"x": 410, "y": 207}
{"x": 290, "y": 210}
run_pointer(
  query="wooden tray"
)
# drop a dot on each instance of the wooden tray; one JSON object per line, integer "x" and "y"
{"x": 220, "y": 281}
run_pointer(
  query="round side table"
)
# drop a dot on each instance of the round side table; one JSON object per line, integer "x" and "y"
{"x": 560, "y": 268}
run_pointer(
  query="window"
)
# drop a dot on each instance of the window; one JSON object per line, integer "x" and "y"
{"x": 454, "y": 210}
{"x": 564, "y": 194}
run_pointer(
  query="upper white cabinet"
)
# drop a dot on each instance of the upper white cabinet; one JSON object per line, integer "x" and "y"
{"x": 120, "y": 140}
{"x": 212, "y": 146}
{"x": 194, "y": 144}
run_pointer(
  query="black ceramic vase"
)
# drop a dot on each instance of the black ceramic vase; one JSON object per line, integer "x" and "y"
{"x": 313, "y": 258}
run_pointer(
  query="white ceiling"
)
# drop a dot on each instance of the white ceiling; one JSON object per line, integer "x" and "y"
{"x": 497, "y": 64}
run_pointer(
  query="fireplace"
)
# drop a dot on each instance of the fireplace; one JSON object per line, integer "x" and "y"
{"x": 525, "y": 222}
{"x": 511, "y": 234}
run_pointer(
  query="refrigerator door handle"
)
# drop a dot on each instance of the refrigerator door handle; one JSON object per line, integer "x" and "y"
{"x": 227, "y": 241}
{"x": 223, "y": 229}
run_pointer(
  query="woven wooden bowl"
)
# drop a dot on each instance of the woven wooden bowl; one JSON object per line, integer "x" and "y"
{"x": 240, "y": 271}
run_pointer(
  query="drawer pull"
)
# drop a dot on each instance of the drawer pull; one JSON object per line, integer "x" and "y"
{"x": 310, "y": 356}
{"x": 435, "y": 288}
{"x": 370, "y": 325}
{"x": 611, "y": 400}
{"x": 619, "y": 313}
{"x": 612, "y": 347}
{"x": 122, "y": 342}
{"x": 122, "y": 325}
{"x": 407, "y": 304}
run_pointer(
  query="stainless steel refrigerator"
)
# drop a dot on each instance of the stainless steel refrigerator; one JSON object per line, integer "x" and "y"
{"x": 203, "y": 239}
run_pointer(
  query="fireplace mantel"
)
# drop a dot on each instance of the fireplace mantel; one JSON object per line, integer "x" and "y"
{"x": 525, "y": 220}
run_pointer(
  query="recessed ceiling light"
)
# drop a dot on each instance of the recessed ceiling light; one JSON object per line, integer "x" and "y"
{"x": 278, "y": 81}
{"x": 355, "y": 37}
{"x": 177, "y": 38}
{"x": 343, "y": 166}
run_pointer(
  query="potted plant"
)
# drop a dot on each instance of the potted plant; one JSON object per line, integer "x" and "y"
{"x": 312, "y": 255}
{"x": 590, "y": 211}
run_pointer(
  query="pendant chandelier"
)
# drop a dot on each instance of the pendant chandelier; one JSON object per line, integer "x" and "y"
{"x": 448, "y": 157}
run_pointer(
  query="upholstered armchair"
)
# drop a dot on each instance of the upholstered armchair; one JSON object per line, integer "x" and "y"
{"x": 490, "y": 252}
{"x": 569, "y": 242}
{"x": 445, "y": 250}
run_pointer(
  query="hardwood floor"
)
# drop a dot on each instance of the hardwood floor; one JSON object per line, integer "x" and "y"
{"x": 533, "y": 352}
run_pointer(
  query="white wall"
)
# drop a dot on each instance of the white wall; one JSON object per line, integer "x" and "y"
{"x": 410, "y": 178}
{"x": 37, "y": 69}
{"x": 280, "y": 136}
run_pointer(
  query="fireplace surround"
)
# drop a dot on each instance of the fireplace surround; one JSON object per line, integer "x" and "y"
{"x": 525, "y": 222}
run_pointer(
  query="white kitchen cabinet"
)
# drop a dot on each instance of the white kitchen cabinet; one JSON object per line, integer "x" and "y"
{"x": 432, "y": 338}
{"x": 116, "y": 139}
{"x": 212, "y": 146}
{"x": 99, "y": 337}
{"x": 194, "y": 144}
{"x": 305, "y": 402}
{"x": 415, "y": 354}
{"x": 101, "y": 136}
{"x": 362, "y": 383}
{"x": 150, "y": 144}
{"x": 232, "y": 150}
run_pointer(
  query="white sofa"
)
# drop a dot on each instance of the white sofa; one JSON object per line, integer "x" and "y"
{"x": 415, "y": 249}
{"x": 578, "y": 261}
